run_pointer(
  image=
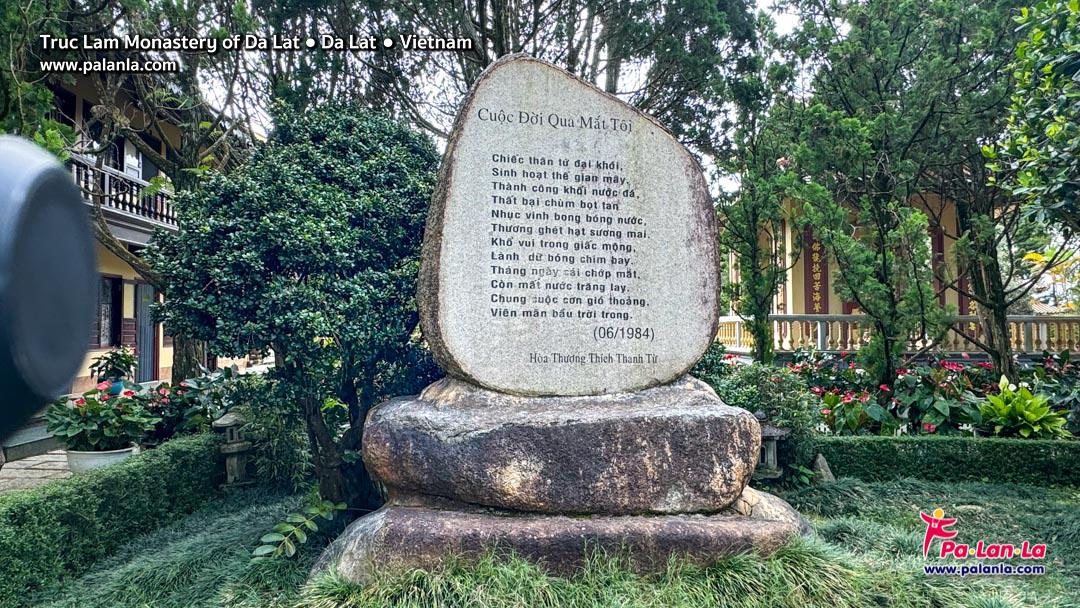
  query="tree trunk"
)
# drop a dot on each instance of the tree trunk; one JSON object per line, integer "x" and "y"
{"x": 990, "y": 292}
{"x": 761, "y": 330}
{"x": 188, "y": 357}
{"x": 995, "y": 322}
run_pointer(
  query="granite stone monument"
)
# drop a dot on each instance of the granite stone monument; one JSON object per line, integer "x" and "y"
{"x": 568, "y": 282}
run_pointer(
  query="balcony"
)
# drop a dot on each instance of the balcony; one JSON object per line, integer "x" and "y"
{"x": 132, "y": 215}
{"x": 1030, "y": 334}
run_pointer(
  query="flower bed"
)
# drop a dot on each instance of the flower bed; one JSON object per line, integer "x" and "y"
{"x": 943, "y": 397}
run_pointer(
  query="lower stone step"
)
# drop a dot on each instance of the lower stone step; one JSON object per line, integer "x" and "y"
{"x": 399, "y": 538}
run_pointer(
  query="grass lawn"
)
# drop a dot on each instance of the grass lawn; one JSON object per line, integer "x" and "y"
{"x": 867, "y": 552}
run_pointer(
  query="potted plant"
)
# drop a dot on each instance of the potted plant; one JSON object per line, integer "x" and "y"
{"x": 113, "y": 367}
{"x": 99, "y": 428}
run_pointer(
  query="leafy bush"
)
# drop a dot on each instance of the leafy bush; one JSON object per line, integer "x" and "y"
{"x": 285, "y": 536}
{"x": 1058, "y": 377}
{"x": 194, "y": 404}
{"x": 98, "y": 421}
{"x": 114, "y": 365}
{"x": 851, "y": 413}
{"x": 59, "y": 529}
{"x": 938, "y": 398}
{"x": 777, "y": 393}
{"x": 280, "y": 452}
{"x": 715, "y": 365}
{"x": 311, "y": 249}
{"x": 1015, "y": 411}
{"x": 953, "y": 458}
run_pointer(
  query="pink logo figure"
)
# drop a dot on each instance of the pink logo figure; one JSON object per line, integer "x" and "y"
{"x": 935, "y": 528}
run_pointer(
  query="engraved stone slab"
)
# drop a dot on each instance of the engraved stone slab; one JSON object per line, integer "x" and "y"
{"x": 571, "y": 244}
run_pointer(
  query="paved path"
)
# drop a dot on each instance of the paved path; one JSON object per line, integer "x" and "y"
{"x": 34, "y": 471}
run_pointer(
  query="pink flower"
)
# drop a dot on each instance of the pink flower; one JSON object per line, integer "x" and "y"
{"x": 80, "y": 402}
{"x": 851, "y": 365}
{"x": 953, "y": 367}
{"x": 165, "y": 400}
{"x": 965, "y": 355}
{"x": 885, "y": 387}
{"x": 817, "y": 390}
{"x": 929, "y": 428}
{"x": 847, "y": 398}
{"x": 104, "y": 397}
{"x": 985, "y": 365}
{"x": 826, "y": 411}
{"x": 129, "y": 393}
{"x": 864, "y": 398}
{"x": 102, "y": 386}
{"x": 163, "y": 391}
{"x": 184, "y": 384}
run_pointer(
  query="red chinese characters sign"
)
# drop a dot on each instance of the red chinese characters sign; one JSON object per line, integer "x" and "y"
{"x": 816, "y": 276}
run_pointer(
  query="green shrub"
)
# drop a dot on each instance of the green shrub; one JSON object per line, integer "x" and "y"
{"x": 281, "y": 453}
{"x": 714, "y": 365}
{"x": 940, "y": 458}
{"x": 780, "y": 395}
{"x": 60, "y": 529}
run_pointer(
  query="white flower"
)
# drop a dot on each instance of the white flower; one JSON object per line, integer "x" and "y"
{"x": 859, "y": 371}
{"x": 1012, "y": 387}
{"x": 1025, "y": 384}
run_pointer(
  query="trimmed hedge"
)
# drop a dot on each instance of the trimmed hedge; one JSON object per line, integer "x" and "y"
{"x": 61, "y": 528}
{"x": 938, "y": 458}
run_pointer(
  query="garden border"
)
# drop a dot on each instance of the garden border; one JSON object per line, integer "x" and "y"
{"x": 943, "y": 458}
{"x": 60, "y": 529}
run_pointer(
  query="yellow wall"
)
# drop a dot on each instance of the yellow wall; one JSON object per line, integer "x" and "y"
{"x": 109, "y": 264}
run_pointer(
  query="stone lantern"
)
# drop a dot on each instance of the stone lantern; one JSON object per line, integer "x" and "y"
{"x": 235, "y": 448}
{"x": 768, "y": 467}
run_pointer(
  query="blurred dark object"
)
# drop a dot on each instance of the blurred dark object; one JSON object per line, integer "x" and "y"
{"x": 47, "y": 280}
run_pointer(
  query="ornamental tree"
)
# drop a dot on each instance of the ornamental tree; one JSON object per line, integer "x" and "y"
{"x": 1043, "y": 145}
{"x": 754, "y": 220}
{"x": 312, "y": 250}
{"x": 864, "y": 144}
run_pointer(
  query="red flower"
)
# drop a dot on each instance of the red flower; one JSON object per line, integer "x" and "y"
{"x": 901, "y": 371}
{"x": 129, "y": 393}
{"x": 843, "y": 354}
{"x": 817, "y": 390}
{"x": 864, "y": 398}
{"x": 953, "y": 367}
{"x": 929, "y": 428}
{"x": 80, "y": 402}
{"x": 104, "y": 397}
{"x": 185, "y": 384}
{"x": 847, "y": 398}
{"x": 885, "y": 387}
{"x": 985, "y": 365}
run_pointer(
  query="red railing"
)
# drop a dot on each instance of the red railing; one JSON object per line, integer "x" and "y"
{"x": 121, "y": 191}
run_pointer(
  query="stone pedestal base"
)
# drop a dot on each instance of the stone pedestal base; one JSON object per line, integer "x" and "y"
{"x": 666, "y": 450}
{"x": 398, "y": 538}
